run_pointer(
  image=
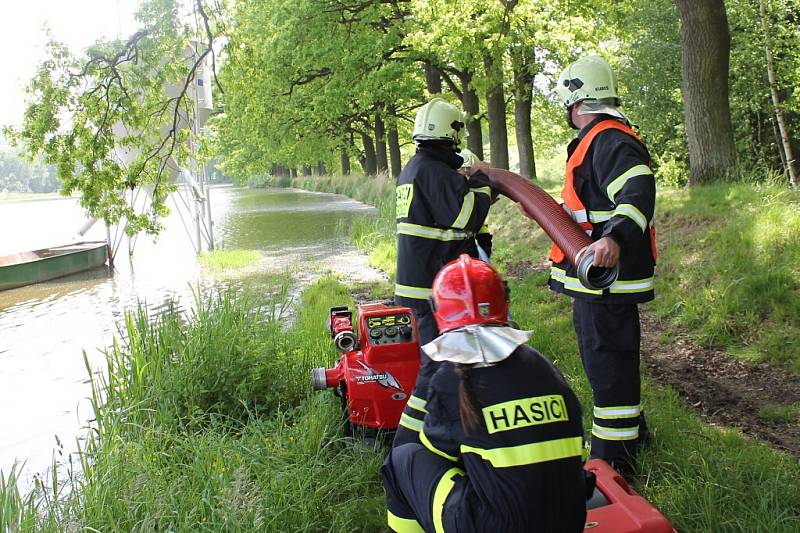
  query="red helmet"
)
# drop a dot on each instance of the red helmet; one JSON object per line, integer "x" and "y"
{"x": 468, "y": 291}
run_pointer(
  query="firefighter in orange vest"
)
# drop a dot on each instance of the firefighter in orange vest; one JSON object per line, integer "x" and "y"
{"x": 502, "y": 440}
{"x": 609, "y": 191}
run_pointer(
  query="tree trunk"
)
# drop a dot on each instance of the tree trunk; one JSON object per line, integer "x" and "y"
{"x": 773, "y": 87}
{"x": 469, "y": 99}
{"x": 293, "y": 172}
{"x": 433, "y": 79}
{"x": 496, "y": 111}
{"x": 394, "y": 149}
{"x": 380, "y": 144}
{"x": 523, "y": 103}
{"x": 321, "y": 170}
{"x": 306, "y": 170}
{"x": 345, "y": 160}
{"x": 706, "y": 45}
{"x": 369, "y": 162}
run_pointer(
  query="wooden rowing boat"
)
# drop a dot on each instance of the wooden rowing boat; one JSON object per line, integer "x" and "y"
{"x": 26, "y": 268}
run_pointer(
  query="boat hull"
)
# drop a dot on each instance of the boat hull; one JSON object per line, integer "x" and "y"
{"x": 27, "y": 268}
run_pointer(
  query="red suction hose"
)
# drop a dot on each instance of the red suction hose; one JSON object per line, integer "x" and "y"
{"x": 556, "y": 223}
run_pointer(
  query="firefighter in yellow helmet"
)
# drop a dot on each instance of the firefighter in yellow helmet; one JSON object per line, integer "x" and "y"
{"x": 609, "y": 190}
{"x": 439, "y": 213}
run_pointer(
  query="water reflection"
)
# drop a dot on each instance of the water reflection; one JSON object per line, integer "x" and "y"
{"x": 45, "y": 328}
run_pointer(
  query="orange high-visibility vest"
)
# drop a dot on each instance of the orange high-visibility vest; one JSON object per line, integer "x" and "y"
{"x": 574, "y": 205}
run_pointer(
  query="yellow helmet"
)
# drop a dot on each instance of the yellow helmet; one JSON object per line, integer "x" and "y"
{"x": 439, "y": 121}
{"x": 589, "y": 78}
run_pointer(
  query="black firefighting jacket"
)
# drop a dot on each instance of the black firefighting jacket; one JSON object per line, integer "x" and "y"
{"x": 521, "y": 469}
{"x": 617, "y": 188}
{"x": 439, "y": 213}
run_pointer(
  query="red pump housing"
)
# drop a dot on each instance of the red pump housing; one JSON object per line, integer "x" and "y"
{"x": 617, "y": 508}
{"x": 377, "y": 369}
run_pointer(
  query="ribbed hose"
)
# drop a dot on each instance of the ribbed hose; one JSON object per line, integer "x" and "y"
{"x": 556, "y": 223}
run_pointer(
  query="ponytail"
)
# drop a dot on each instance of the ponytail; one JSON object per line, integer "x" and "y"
{"x": 467, "y": 403}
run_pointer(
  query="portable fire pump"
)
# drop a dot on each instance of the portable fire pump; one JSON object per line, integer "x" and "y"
{"x": 378, "y": 367}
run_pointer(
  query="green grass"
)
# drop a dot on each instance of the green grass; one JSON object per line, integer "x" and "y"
{"x": 209, "y": 423}
{"x": 729, "y": 270}
{"x": 780, "y": 413}
{"x": 12, "y": 504}
{"x": 221, "y": 260}
{"x": 703, "y": 478}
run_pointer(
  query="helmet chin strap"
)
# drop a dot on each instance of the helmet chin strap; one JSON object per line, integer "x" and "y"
{"x": 569, "y": 118}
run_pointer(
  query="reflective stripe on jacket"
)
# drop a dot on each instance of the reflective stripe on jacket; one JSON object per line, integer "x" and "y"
{"x": 609, "y": 190}
{"x": 522, "y": 465}
{"x": 439, "y": 213}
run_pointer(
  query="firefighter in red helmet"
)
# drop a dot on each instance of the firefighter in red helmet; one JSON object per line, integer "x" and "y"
{"x": 502, "y": 439}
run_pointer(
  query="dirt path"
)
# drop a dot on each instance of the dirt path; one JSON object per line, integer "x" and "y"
{"x": 724, "y": 390}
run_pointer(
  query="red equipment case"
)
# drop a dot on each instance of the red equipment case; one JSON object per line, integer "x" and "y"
{"x": 622, "y": 510}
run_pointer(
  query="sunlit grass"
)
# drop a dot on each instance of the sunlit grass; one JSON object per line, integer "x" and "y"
{"x": 12, "y": 503}
{"x": 221, "y": 260}
{"x": 729, "y": 271}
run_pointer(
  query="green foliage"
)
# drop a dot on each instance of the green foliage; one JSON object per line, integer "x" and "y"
{"x": 20, "y": 176}
{"x": 650, "y": 80}
{"x": 752, "y": 109}
{"x": 304, "y": 79}
{"x": 113, "y": 121}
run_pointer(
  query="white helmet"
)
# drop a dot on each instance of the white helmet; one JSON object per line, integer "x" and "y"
{"x": 439, "y": 121}
{"x": 589, "y": 78}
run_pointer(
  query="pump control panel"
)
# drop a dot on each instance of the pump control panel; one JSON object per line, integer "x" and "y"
{"x": 389, "y": 329}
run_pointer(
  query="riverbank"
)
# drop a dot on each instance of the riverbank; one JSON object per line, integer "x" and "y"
{"x": 210, "y": 423}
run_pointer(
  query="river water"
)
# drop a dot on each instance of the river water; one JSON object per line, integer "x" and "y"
{"x": 46, "y": 328}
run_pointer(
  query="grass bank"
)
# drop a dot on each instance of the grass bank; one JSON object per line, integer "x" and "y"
{"x": 728, "y": 271}
{"x": 703, "y": 478}
{"x": 208, "y": 423}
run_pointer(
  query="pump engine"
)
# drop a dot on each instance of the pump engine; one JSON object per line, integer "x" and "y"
{"x": 378, "y": 367}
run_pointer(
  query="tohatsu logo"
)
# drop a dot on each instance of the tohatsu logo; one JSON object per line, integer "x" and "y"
{"x": 384, "y": 379}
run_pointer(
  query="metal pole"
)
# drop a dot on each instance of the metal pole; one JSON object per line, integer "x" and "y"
{"x": 110, "y": 246}
{"x": 197, "y": 208}
{"x": 208, "y": 210}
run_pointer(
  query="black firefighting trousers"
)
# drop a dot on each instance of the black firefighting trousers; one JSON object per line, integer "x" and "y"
{"x": 608, "y": 339}
{"x": 413, "y": 414}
